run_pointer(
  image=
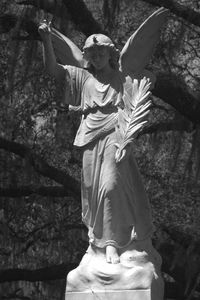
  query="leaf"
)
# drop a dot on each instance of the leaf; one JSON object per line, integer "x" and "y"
{"x": 133, "y": 118}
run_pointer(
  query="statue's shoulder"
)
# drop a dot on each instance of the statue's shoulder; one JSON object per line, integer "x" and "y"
{"x": 78, "y": 73}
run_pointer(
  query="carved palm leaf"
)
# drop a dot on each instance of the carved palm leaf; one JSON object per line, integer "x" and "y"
{"x": 133, "y": 118}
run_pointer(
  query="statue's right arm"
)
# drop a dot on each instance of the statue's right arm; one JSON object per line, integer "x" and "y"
{"x": 51, "y": 65}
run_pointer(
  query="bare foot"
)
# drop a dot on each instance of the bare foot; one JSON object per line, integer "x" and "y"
{"x": 112, "y": 256}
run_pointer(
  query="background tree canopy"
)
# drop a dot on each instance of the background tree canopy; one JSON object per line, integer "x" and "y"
{"x": 41, "y": 234}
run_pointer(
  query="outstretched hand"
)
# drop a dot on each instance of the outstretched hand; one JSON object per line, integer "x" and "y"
{"x": 44, "y": 29}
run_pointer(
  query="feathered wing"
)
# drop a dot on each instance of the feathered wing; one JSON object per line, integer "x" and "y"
{"x": 65, "y": 50}
{"x": 134, "y": 116}
{"x": 139, "y": 48}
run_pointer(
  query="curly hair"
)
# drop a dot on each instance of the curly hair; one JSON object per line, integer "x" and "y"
{"x": 101, "y": 40}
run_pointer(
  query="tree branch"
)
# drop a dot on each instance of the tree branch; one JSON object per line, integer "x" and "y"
{"x": 9, "y": 21}
{"x": 181, "y": 258}
{"x": 82, "y": 17}
{"x": 23, "y": 191}
{"x": 48, "y": 5}
{"x": 77, "y": 9}
{"x": 43, "y": 274}
{"x": 54, "y": 273}
{"x": 181, "y": 125}
{"x": 42, "y": 167}
{"x": 172, "y": 90}
{"x": 182, "y": 11}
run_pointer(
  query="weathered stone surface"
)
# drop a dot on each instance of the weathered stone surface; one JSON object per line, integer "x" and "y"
{"x": 138, "y": 269}
{"x": 110, "y": 295}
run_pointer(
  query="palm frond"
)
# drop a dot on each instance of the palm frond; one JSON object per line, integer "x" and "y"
{"x": 133, "y": 118}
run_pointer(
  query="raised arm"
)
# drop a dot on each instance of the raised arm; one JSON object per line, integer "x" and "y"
{"x": 51, "y": 65}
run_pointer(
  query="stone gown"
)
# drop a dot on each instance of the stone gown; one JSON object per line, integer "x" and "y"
{"x": 115, "y": 208}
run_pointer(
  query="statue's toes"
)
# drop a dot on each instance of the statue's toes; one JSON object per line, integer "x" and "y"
{"x": 115, "y": 260}
{"x": 112, "y": 256}
{"x": 108, "y": 259}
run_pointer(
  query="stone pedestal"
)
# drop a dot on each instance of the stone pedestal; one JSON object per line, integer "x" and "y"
{"x": 136, "y": 277}
{"x": 110, "y": 295}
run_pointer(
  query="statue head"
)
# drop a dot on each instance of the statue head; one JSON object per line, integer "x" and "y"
{"x": 101, "y": 40}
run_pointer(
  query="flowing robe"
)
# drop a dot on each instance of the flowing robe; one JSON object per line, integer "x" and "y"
{"x": 115, "y": 207}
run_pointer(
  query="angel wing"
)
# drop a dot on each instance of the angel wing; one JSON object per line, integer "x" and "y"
{"x": 134, "y": 55}
{"x": 66, "y": 51}
{"x": 140, "y": 46}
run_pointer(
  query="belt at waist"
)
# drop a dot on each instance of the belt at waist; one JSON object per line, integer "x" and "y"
{"x": 105, "y": 110}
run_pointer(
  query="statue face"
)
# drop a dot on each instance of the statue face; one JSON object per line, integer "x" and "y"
{"x": 98, "y": 56}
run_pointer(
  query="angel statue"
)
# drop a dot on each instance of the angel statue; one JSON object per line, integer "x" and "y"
{"x": 112, "y": 89}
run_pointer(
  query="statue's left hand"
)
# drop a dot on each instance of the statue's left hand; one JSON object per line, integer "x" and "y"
{"x": 122, "y": 154}
{"x": 44, "y": 29}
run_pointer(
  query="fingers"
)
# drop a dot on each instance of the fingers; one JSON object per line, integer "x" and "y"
{"x": 49, "y": 26}
{"x": 44, "y": 29}
{"x": 119, "y": 155}
{"x": 45, "y": 24}
{"x": 122, "y": 154}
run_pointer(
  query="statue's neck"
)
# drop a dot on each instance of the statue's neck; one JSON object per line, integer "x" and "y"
{"x": 104, "y": 75}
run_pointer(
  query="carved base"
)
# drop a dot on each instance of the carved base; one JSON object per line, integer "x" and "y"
{"x": 111, "y": 295}
{"x": 139, "y": 269}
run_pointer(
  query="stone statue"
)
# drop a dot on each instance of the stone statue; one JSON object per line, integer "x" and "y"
{"x": 112, "y": 90}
